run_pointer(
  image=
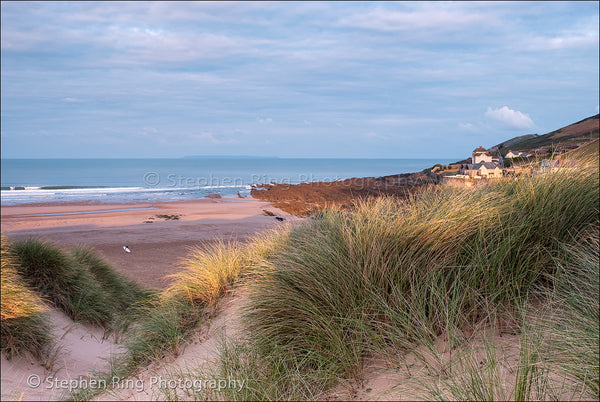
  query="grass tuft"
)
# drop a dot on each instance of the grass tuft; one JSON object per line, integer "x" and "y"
{"x": 81, "y": 284}
{"x": 208, "y": 271}
{"x": 24, "y": 325}
{"x": 122, "y": 292}
{"x": 573, "y": 341}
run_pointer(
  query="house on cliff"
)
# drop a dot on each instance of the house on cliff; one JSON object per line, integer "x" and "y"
{"x": 481, "y": 154}
{"x": 486, "y": 170}
{"x": 510, "y": 154}
{"x": 484, "y": 165}
{"x": 515, "y": 154}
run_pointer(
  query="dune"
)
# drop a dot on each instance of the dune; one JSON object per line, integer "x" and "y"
{"x": 201, "y": 350}
{"x": 81, "y": 351}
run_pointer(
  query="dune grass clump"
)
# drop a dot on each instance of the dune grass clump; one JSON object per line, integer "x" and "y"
{"x": 173, "y": 314}
{"x": 558, "y": 351}
{"x": 208, "y": 272}
{"x": 165, "y": 322}
{"x": 57, "y": 276}
{"x": 124, "y": 296}
{"x": 573, "y": 328}
{"x": 24, "y": 325}
{"x": 80, "y": 284}
{"x": 122, "y": 292}
{"x": 392, "y": 274}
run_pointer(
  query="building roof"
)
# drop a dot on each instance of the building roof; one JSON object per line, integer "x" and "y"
{"x": 477, "y": 166}
{"x": 480, "y": 149}
{"x": 490, "y": 165}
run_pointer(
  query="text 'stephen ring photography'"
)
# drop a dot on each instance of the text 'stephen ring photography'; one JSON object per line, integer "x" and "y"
{"x": 300, "y": 200}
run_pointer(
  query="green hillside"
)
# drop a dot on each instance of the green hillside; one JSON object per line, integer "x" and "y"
{"x": 570, "y": 136}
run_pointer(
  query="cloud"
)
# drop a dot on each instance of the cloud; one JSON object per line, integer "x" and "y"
{"x": 568, "y": 41}
{"x": 139, "y": 45}
{"x": 198, "y": 70}
{"x": 425, "y": 16}
{"x": 509, "y": 117}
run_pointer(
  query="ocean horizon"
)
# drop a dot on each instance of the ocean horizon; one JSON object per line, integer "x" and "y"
{"x": 26, "y": 181}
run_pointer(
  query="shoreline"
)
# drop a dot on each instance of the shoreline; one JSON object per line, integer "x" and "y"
{"x": 84, "y": 203}
{"x": 156, "y": 243}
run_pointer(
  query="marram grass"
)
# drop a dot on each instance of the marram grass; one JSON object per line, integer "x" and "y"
{"x": 207, "y": 272}
{"x": 24, "y": 325}
{"x": 394, "y": 274}
{"x": 122, "y": 292}
{"x": 383, "y": 279}
{"x": 558, "y": 352}
{"x": 55, "y": 275}
{"x": 573, "y": 327}
{"x": 80, "y": 283}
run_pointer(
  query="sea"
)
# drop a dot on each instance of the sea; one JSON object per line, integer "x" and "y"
{"x": 25, "y": 181}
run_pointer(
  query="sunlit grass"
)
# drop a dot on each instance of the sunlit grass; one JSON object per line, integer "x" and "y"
{"x": 208, "y": 271}
{"x": 25, "y": 326}
{"x": 392, "y": 274}
{"x": 164, "y": 323}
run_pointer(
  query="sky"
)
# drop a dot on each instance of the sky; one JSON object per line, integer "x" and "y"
{"x": 291, "y": 79}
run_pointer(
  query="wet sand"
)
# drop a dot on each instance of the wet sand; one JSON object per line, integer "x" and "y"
{"x": 156, "y": 246}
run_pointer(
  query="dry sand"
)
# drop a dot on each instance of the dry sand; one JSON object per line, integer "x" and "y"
{"x": 410, "y": 379}
{"x": 155, "y": 247}
{"x": 197, "y": 354}
{"x": 81, "y": 350}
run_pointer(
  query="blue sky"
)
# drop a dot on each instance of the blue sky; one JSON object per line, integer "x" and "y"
{"x": 291, "y": 79}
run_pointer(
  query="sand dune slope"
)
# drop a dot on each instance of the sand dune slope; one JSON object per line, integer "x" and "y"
{"x": 81, "y": 350}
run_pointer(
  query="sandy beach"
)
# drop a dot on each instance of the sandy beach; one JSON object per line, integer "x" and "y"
{"x": 156, "y": 243}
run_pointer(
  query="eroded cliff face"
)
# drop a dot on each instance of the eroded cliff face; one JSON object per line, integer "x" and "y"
{"x": 306, "y": 198}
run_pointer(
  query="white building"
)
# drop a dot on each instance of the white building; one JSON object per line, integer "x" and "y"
{"x": 484, "y": 165}
{"x": 481, "y": 155}
{"x": 516, "y": 154}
